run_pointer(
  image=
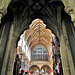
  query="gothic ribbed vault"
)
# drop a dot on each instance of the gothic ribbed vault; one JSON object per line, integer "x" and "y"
{"x": 38, "y": 34}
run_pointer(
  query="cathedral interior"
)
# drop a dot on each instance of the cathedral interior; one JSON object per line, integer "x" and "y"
{"x": 37, "y": 37}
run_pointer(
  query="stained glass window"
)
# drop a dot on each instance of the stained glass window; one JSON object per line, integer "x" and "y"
{"x": 39, "y": 53}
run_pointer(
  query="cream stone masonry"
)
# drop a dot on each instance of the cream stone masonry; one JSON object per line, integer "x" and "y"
{"x": 70, "y": 65}
{"x": 3, "y": 7}
{"x": 70, "y": 8}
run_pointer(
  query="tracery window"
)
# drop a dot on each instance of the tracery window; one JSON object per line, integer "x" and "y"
{"x": 39, "y": 53}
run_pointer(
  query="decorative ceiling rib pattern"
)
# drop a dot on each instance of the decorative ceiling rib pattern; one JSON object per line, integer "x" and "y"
{"x": 38, "y": 34}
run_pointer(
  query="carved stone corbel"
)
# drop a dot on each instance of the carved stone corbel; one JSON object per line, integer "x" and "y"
{"x": 70, "y": 11}
{"x": 2, "y": 13}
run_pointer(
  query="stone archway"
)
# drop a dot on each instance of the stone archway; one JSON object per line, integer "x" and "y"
{"x": 34, "y": 68}
{"x": 21, "y": 23}
{"x": 46, "y": 68}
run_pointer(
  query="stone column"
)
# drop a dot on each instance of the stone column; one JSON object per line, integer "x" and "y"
{"x": 11, "y": 56}
{"x": 69, "y": 53}
{"x": 3, "y": 44}
{"x": 64, "y": 56}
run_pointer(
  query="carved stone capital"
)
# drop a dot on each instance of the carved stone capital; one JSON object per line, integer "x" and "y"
{"x": 70, "y": 11}
{"x": 2, "y": 13}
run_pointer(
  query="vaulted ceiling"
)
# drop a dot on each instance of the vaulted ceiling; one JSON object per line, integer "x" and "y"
{"x": 38, "y": 34}
{"x": 22, "y": 12}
